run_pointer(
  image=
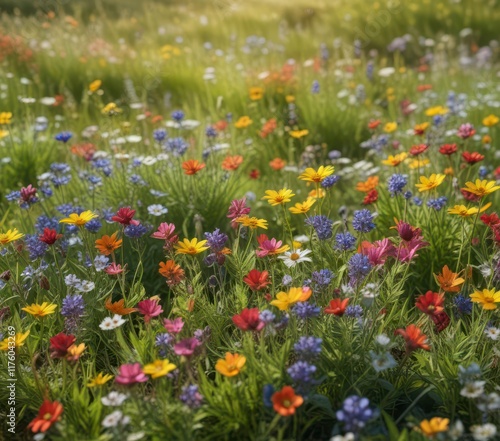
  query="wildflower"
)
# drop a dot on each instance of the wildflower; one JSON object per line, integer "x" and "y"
{"x": 278, "y": 197}
{"x": 114, "y": 399}
{"x": 436, "y": 110}
{"x": 418, "y": 163}
{"x": 337, "y": 307}
{"x": 435, "y": 425}
{"x": 473, "y": 389}
{"x": 304, "y": 310}
{"x": 463, "y": 211}
{"x": 395, "y": 160}
{"x": 172, "y": 272}
{"x": 354, "y": 311}
{"x": 149, "y": 308}
{"x": 492, "y": 332}
{"x": 481, "y": 188}
{"x": 297, "y": 134}
{"x": 95, "y": 85}
{"x": 483, "y": 432}
{"x": 355, "y": 413}
{"x": 191, "y": 396}
{"x": 285, "y": 402}
{"x": 487, "y": 298}
{"x": 448, "y": 280}
{"x": 114, "y": 269}
{"x": 396, "y": 184}
{"x": 49, "y": 413}
{"x": 430, "y": 183}
{"x": 419, "y": 129}
{"x": 187, "y": 346}
{"x": 173, "y": 326}
{"x": 292, "y": 258}
{"x": 277, "y": 164}
{"x": 157, "y": 210}
{"x": 75, "y": 351}
{"x": 130, "y": 374}
{"x": 124, "y": 216}
{"x": 73, "y": 306}
{"x": 99, "y": 380}
{"x": 243, "y": 122}
{"x": 438, "y": 203}
{"x": 107, "y": 245}
{"x": 363, "y": 221}
{"x": 6, "y": 344}
{"x": 463, "y": 304}
{"x": 430, "y": 303}
{"x": 285, "y": 300}
{"x": 248, "y": 320}
{"x": 110, "y": 323}
{"x": 63, "y": 136}
{"x": 158, "y": 368}
{"x": 466, "y": 131}
{"x": 257, "y": 280}
{"x": 192, "y": 166}
{"x": 317, "y": 176}
{"x": 60, "y": 343}
{"x": 390, "y": 127}
{"x": 110, "y": 109}
{"x": 115, "y": 418}
{"x": 302, "y": 207}
{"x": 5, "y": 118}
{"x": 10, "y": 236}
{"x": 323, "y": 277}
{"x": 40, "y": 310}
{"x": 448, "y": 149}
{"x": 322, "y": 225}
{"x": 231, "y": 365}
{"x": 135, "y": 231}
{"x": 302, "y": 372}
{"x": 414, "y": 338}
{"x": 79, "y": 219}
{"x": 472, "y": 158}
{"x": 270, "y": 247}
{"x": 192, "y": 247}
{"x": 491, "y": 120}
{"x": 344, "y": 241}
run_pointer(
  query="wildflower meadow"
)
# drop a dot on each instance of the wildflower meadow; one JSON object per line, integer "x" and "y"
{"x": 262, "y": 220}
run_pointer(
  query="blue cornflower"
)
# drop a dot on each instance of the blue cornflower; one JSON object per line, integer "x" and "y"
{"x": 177, "y": 146}
{"x": 315, "y": 87}
{"x": 438, "y": 203}
{"x": 417, "y": 201}
{"x": 359, "y": 267}
{"x": 177, "y": 115}
{"x": 136, "y": 179}
{"x": 308, "y": 348}
{"x": 287, "y": 279}
{"x": 363, "y": 221}
{"x": 135, "y": 231}
{"x": 354, "y": 311}
{"x": 210, "y": 132}
{"x": 330, "y": 181}
{"x": 322, "y": 225}
{"x": 46, "y": 190}
{"x": 344, "y": 241}
{"x": 302, "y": 372}
{"x": 355, "y": 413}
{"x": 43, "y": 222}
{"x": 73, "y": 306}
{"x": 482, "y": 172}
{"x": 191, "y": 397}
{"x": 304, "y": 310}
{"x": 59, "y": 181}
{"x": 60, "y": 167}
{"x": 463, "y": 304}
{"x": 407, "y": 194}
{"x": 216, "y": 240}
{"x": 396, "y": 183}
{"x": 13, "y": 196}
{"x": 159, "y": 135}
{"x": 267, "y": 316}
{"x": 93, "y": 225}
{"x": 101, "y": 163}
{"x": 35, "y": 247}
{"x": 267, "y": 392}
{"x": 322, "y": 277}
{"x": 64, "y": 136}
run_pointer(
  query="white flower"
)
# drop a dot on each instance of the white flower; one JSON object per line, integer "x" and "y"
{"x": 48, "y": 101}
{"x": 489, "y": 402}
{"x": 382, "y": 340}
{"x": 115, "y": 418}
{"x": 370, "y": 291}
{"x": 292, "y": 258}
{"x": 118, "y": 320}
{"x": 473, "y": 389}
{"x": 347, "y": 437}
{"x": 136, "y": 436}
{"x": 302, "y": 238}
{"x": 456, "y": 431}
{"x": 85, "y": 286}
{"x": 492, "y": 332}
{"x": 386, "y": 72}
{"x": 107, "y": 324}
{"x": 134, "y": 138}
{"x": 157, "y": 210}
{"x": 114, "y": 399}
{"x": 484, "y": 432}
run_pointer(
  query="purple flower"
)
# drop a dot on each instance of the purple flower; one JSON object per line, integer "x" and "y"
{"x": 322, "y": 225}
{"x": 344, "y": 241}
{"x": 135, "y": 231}
{"x": 322, "y": 277}
{"x": 191, "y": 397}
{"x": 216, "y": 240}
{"x": 302, "y": 372}
{"x": 396, "y": 183}
{"x": 363, "y": 221}
{"x": 308, "y": 348}
{"x": 35, "y": 246}
{"x": 304, "y": 310}
{"x": 177, "y": 115}
{"x": 73, "y": 305}
{"x": 359, "y": 267}
{"x": 354, "y": 311}
{"x": 355, "y": 413}
{"x": 330, "y": 181}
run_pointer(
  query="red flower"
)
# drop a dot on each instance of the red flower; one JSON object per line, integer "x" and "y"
{"x": 470, "y": 196}
{"x": 406, "y": 231}
{"x": 496, "y": 172}
{"x": 414, "y": 338}
{"x": 472, "y": 158}
{"x": 371, "y": 197}
{"x": 49, "y": 413}
{"x": 418, "y": 149}
{"x": 60, "y": 343}
{"x": 337, "y": 307}
{"x": 373, "y": 124}
{"x": 491, "y": 220}
{"x": 255, "y": 174}
{"x": 285, "y": 401}
{"x": 257, "y": 280}
{"x": 49, "y": 236}
{"x": 124, "y": 216}
{"x": 441, "y": 320}
{"x": 248, "y": 320}
{"x": 149, "y": 308}
{"x": 430, "y": 303}
{"x": 448, "y": 149}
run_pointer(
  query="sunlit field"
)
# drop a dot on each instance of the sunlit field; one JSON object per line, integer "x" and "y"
{"x": 261, "y": 220}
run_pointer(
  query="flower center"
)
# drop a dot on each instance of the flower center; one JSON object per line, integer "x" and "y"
{"x": 286, "y": 403}
{"x": 47, "y": 416}
{"x": 294, "y": 256}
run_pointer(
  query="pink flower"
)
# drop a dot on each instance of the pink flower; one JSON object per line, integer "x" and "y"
{"x": 28, "y": 194}
{"x": 124, "y": 216}
{"x": 466, "y": 131}
{"x": 269, "y": 246}
{"x": 187, "y": 346}
{"x": 378, "y": 251}
{"x": 408, "y": 250}
{"x": 149, "y": 308}
{"x": 237, "y": 209}
{"x": 173, "y": 326}
{"x": 166, "y": 232}
{"x": 130, "y": 374}
{"x": 114, "y": 269}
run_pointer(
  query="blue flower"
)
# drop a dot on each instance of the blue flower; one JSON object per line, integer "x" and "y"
{"x": 304, "y": 310}
{"x": 73, "y": 306}
{"x": 177, "y": 115}
{"x": 354, "y": 311}
{"x": 396, "y": 183}
{"x": 159, "y": 135}
{"x": 302, "y": 372}
{"x": 359, "y": 267}
{"x": 363, "y": 221}
{"x": 344, "y": 241}
{"x": 267, "y": 393}
{"x": 64, "y": 136}
{"x": 463, "y": 304}
{"x": 322, "y": 225}
{"x": 93, "y": 225}
{"x": 177, "y": 146}
{"x": 308, "y": 348}
{"x": 210, "y": 132}
{"x": 322, "y": 277}
{"x": 135, "y": 231}
{"x": 216, "y": 240}
{"x": 438, "y": 203}
{"x": 330, "y": 181}
{"x": 355, "y": 413}
{"x": 35, "y": 247}
{"x": 315, "y": 87}
{"x": 191, "y": 396}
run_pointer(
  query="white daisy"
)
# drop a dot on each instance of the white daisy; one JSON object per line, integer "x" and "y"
{"x": 113, "y": 419}
{"x": 293, "y": 257}
{"x": 473, "y": 389}
{"x": 157, "y": 210}
{"x": 492, "y": 332}
{"x": 483, "y": 432}
{"x": 114, "y": 399}
{"x": 107, "y": 324}
{"x": 117, "y": 320}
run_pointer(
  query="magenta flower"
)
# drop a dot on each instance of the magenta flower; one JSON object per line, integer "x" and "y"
{"x": 237, "y": 209}
{"x": 187, "y": 346}
{"x": 268, "y": 247}
{"x": 114, "y": 269}
{"x": 173, "y": 326}
{"x": 131, "y": 374}
{"x": 28, "y": 194}
{"x": 408, "y": 250}
{"x": 466, "y": 131}
{"x": 149, "y": 308}
{"x": 166, "y": 232}
{"x": 379, "y": 251}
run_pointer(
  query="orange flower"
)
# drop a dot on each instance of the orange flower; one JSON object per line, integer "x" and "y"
{"x": 231, "y": 365}
{"x": 414, "y": 338}
{"x": 108, "y": 244}
{"x": 172, "y": 272}
{"x": 277, "y": 164}
{"x": 369, "y": 185}
{"x": 118, "y": 307}
{"x": 192, "y": 166}
{"x": 49, "y": 413}
{"x": 448, "y": 280}
{"x": 232, "y": 163}
{"x": 285, "y": 401}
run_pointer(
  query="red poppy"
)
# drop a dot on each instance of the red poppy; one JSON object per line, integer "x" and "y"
{"x": 49, "y": 236}
{"x": 373, "y": 124}
{"x": 285, "y": 402}
{"x": 448, "y": 149}
{"x": 430, "y": 303}
{"x": 472, "y": 158}
{"x": 414, "y": 338}
{"x": 337, "y": 307}
{"x": 60, "y": 343}
{"x": 248, "y": 320}
{"x": 418, "y": 149}
{"x": 49, "y": 413}
{"x": 257, "y": 280}
{"x": 371, "y": 197}
{"x": 124, "y": 216}
{"x": 441, "y": 320}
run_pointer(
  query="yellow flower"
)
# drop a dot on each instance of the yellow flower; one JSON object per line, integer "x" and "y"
{"x": 299, "y": 133}
{"x": 252, "y": 222}
{"x": 256, "y": 93}
{"x": 491, "y": 120}
{"x": 481, "y": 188}
{"x": 99, "y": 380}
{"x": 290, "y": 99}
{"x": 74, "y": 352}
{"x": 418, "y": 163}
{"x": 421, "y": 128}
{"x": 430, "y": 183}
{"x": 303, "y": 207}
{"x": 390, "y": 127}
{"x": 312, "y": 175}
{"x": 18, "y": 341}
{"x": 95, "y": 85}
{"x": 10, "y": 236}
{"x": 285, "y": 300}
{"x": 243, "y": 122}
{"x": 191, "y": 247}
{"x": 317, "y": 194}
{"x": 231, "y": 365}
{"x": 485, "y": 140}
{"x": 487, "y": 297}
{"x": 3, "y": 133}
{"x": 110, "y": 109}
{"x": 78, "y": 219}
{"x": 436, "y": 110}
{"x": 395, "y": 160}
{"x": 278, "y": 197}
{"x": 448, "y": 171}
{"x": 5, "y": 118}
{"x": 463, "y": 211}
{"x": 40, "y": 310}
{"x": 159, "y": 368}
{"x": 434, "y": 426}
